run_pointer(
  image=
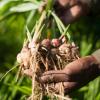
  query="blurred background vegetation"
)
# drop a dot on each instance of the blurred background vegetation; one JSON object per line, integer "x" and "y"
{"x": 14, "y": 16}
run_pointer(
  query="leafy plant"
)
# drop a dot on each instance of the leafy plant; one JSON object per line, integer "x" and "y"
{"x": 15, "y": 15}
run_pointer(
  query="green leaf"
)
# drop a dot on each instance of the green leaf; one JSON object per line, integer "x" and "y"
{"x": 66, "y": 29}
{"x": 59, "y": 22}
{"x": 98, "y": 97}
{"x": 69, "y": 36}
{"x": 28, "y": 34}
{"x": 8, "y": 72}
{"x": 25, "y": 90}
{"x": 3, "y": 3}
{"x": 85, "y": 48}
{"x": 24, "y": 7}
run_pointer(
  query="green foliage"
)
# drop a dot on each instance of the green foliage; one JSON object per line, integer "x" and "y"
{"x": 15, "y": 15}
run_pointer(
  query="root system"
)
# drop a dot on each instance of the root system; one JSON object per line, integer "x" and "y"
{"x": 47, "y": 55}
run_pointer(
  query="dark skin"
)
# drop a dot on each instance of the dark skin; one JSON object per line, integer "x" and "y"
{"x": 75, "y": 74}
{"x": 71, "y": 10}
{"x": 81, "y": 71}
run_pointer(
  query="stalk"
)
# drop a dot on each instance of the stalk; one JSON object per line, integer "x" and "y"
{"x": 40, "y": 22}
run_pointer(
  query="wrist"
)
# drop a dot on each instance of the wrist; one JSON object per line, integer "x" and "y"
{"x": 96, "y": 55}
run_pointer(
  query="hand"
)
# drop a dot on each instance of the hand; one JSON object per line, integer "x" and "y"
{"x": 74, "y": 75}
{"x": 71, "y": 10}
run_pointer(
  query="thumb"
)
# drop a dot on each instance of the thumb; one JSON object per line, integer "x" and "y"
{"x": 54, "y": 76}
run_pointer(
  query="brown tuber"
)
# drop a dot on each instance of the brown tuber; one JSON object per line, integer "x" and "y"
{"x": 55, "y": 42}
{"x": 46, "y": 55}
{"x": 46, "y": 43}
{"x": 24, "y": 57}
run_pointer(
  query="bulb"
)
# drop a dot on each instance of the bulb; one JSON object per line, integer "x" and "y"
{"x": 55, "y": 42}
{"x": 19, "y": 58}
{"x": 46, "y": 43}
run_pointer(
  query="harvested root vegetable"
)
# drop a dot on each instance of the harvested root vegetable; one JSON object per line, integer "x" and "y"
{"x": 42, "y": 59}
{"x": 24, "y": 57}
{"x": 55, "y": 42}
{"x": 46, "y": 43}
{"x": 38, "y": 56}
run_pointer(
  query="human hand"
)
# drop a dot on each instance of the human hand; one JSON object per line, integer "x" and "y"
{"x": 71, "y": 10}
{"x": 74, "y": 75}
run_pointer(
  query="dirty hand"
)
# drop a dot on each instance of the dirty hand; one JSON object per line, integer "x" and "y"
{"x": 71, "y": 10}
{"x": 75, "y": 74}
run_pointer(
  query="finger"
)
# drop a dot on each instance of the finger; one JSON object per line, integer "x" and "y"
{"x": 68, "y": 87}
{"x": 73, "y": 13}
{"x": 64, "y": 2}
{"x": 55, "y": 76}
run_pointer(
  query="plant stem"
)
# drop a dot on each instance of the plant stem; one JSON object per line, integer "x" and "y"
{"x": 37, "y": 33}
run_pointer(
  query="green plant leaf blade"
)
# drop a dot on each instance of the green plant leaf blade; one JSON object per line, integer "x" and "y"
{"x": 25, "y": 7}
